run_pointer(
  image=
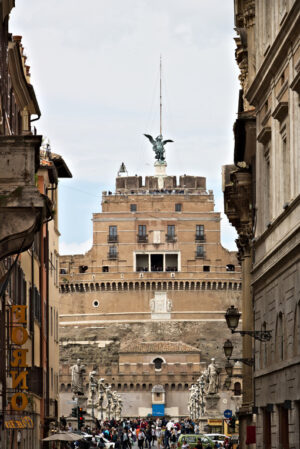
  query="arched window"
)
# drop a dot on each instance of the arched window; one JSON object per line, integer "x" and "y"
{"x": 158, "y": 363}
{"x": 264, "y": 348}
{"x": 297, "y": 330}
{"x": 237, "y": 391}
{"x": 280, "y": 337}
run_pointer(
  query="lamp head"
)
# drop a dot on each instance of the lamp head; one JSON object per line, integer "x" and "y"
{"x": 228, "y": 348}
{"x": 232, "y": 317}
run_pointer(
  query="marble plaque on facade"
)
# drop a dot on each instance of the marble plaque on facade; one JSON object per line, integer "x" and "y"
{"x": 160, "y": 306}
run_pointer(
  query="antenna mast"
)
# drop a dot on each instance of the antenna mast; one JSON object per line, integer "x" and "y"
{"x": 160, "y": 99}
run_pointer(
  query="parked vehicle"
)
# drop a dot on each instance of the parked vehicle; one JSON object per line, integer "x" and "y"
{"x": 192, "y": 440}
{"x": 219, "y": 437}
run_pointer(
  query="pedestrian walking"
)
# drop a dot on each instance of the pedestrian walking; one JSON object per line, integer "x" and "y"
{"x": 141, "y": 439}
{"x": 158, "y": 434}
{"x": 173, "y": 439}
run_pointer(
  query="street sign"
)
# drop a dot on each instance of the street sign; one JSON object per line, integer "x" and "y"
{"x": 227, "y": 413}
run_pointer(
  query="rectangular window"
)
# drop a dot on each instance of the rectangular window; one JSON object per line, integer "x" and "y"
{"x": 142, "y": 230}
{"x": 112, "y": 234}
{"x": 199, "y": 232}
{"x": 200, "y": 251}
{"x": 170, "y": 236}
{"x": 178, "y": 207}
{"x": 142, "y": 262}
{"x": 113, "y": 230}
{"x": 267, "y": 188}
{"x": 142, "y": 234}
{"x": 133, "y": 208}
{"x": 286, "y": 169}
{"x": 171, "y": 230}
{"x": 112, "y": 254}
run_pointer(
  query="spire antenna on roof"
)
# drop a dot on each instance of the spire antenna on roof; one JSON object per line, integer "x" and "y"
{"x": 160, "y": 99}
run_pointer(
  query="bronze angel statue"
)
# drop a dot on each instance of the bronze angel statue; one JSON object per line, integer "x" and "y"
{"x": 158, "y": 146}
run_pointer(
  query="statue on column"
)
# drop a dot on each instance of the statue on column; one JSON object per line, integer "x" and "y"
{"x": 109, "y": 401}
{"x": 101, "y": 391}
{"x": 114, "y": 404}
{"x": 93, "y": 386}
{"x": 77, "y": 372}
{"x": 119, "y": 407}
{"x": 212, "y": 378}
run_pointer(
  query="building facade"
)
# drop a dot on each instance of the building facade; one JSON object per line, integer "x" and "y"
{"x": 156, "y": 272}
{"x": 28, "y": 255}
{"x": 261, "y": 194}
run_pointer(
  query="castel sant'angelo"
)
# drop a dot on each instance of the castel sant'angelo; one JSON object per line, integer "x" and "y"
{"x": 151, "y": 293}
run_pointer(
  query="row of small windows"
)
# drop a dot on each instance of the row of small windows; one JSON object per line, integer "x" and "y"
{"x": 142, "y": 232}
{"x": 171, "y": 285}
{"x": 178, "y": 207}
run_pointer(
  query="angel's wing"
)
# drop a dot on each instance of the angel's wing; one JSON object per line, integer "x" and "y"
{"x": 166, "y": 141}
{"x": 150, "y": 138}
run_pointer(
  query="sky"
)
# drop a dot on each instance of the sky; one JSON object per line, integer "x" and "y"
{"x": 95, "y": 71}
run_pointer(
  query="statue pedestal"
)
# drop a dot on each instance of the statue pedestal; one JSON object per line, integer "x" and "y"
{"x": 211, "y": 404}
{"x": 160, "y": 168}
{"x": 160, "y": 173}
{"x": 81, "y": 401}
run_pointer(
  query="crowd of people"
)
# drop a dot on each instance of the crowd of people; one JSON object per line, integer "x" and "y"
{"x": 145, "y": 433}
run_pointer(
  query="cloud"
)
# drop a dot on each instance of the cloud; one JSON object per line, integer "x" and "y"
{"x": 75, "y": 247}
{"x": 95, "y": 71}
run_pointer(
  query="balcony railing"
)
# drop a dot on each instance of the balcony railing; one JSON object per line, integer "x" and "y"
{"x": 200, "y": 237}
{"x": 200, "y": 255}
{"x": 112, "y": 238}
{"x": 170, "y": 238}
{"x": 112, "y": 256}
{"x": 142, "y": 238}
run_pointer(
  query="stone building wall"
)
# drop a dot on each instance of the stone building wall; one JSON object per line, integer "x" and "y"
{"x": 156, "y": 285}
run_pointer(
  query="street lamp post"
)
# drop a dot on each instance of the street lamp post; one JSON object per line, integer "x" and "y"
{"x": 228, "y": 348}
{"x": 232, "y": 317}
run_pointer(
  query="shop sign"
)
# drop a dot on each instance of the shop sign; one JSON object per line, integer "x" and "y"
{"x": 21, "y": 423}
{"x": 19, "y": 336}
{"x": 215, "y": 422}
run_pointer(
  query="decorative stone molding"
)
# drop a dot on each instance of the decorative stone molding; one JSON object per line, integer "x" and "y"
{"x": 265, "y": 135}
{"x": 152, "y": 286}
{"x": 238, "y": 207}
{"x": 22, "y": 208}
{"x": 281, "y": 111}
{"x": 295, "y": 84}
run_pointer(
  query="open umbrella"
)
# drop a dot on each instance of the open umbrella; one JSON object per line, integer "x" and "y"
{"x": 64, "y": 436}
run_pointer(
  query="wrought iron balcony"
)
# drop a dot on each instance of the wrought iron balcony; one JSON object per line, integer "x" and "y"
{"x": 112, "y": 238}
{"x": 142, "y": 238}
{"x": 200, "y": 255}
{"x": 199, "y": 237}
{"x": 112, "y": 256}
{"x": 171, "y": 238}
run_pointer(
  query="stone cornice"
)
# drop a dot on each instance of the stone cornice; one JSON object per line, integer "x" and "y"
{"x": 23, "y": 90}
{"x": 278, "y": 51}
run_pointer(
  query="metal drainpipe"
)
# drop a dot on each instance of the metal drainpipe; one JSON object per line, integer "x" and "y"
{"x": 32, "y": 305}
{"x": 47, "y": 321}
